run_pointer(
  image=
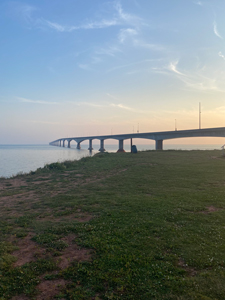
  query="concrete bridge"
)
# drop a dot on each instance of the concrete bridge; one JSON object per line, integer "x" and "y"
{"x": 157, "y": 136}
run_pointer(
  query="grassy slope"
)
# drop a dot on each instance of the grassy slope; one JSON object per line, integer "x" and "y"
{"x": 157, "y": 232}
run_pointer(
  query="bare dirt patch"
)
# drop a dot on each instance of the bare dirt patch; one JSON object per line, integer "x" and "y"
{"x": 41, "y": 181}
{"x": 50, "y": 288}
{"x": 217, "y": 157}
{"x": 9, "y": 201}
{"x": 84, "y": 218}
{"x": 210, "y": 209}
{"x": 77, "y": 216}
{"x": 73, "y": 253}
{"x": 20, "y": 297}
{"x": 191, "y": 271}
{"x": 12, "y": 183}
{"x": 27, "y": 251}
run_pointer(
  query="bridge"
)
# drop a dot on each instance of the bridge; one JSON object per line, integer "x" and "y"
{"x": 159, "y": 137}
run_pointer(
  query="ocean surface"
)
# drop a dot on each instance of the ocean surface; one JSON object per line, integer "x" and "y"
{"x": 16, "y": 159}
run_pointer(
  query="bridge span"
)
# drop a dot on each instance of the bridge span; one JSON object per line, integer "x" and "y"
{"x": 157, "y": 136}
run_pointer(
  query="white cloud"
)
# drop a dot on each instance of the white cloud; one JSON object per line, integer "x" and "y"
{"x": 216, "y": 31}
{"x": 118, "y": 17}
{"x": 111, "y": 96}
{"x": 133, "y": 64}
{"x": 122, "y": 106}
{"x": 221, "y": 55}
{"x": 101, "y": 24}
{"x": 88, "y": 104}
{"x": 198, "y": 3}
{"x": 25, "y": 100}
{"x": 197, "y": 80}
{"x": 125, "y": 17}
{"x": 56, "y": 26}
{"x": 89, "y": 25}
{"x": 25, "y": 11}
{"x": 126, "y": 33}
{"x": 173, "y": 67}
{"x": 142, "y": 44}
{"x": 111, "y": 51}
{"x": 84, "y": 67}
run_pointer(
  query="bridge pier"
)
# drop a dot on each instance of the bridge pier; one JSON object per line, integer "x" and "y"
{"x": 63, "y": 143}
{"x": 121, "y": 146}
{"x": 90, "y": 145}
{"x": 102, "y": 149}
{"x": 78, "y": 145}
{"x": 60, "y": 143}
{"x": 158, "y": 144}
{"x": 69, "y": 144}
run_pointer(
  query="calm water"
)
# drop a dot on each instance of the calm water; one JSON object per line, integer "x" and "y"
{"x": 25, "y": 158}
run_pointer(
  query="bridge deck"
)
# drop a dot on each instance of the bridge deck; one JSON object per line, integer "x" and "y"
{"x": 157, "y": 136}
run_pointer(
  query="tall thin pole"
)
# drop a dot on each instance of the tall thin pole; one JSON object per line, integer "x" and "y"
{"x": 199, "y": 115}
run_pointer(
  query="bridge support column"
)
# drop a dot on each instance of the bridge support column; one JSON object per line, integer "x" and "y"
{"x": 60, "y": 143}
{"x": 121, "y": 146}
{"x": 159, "y": 145}
{"x": 90, "y": 145}
{"x": 63, "y": 143}
{"x": 69, "y": 144}
{"x": 78, "y": 146}
{"x": 102, "y": 149}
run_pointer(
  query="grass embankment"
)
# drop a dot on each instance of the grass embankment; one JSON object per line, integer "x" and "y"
{"x": 116, "y": 226}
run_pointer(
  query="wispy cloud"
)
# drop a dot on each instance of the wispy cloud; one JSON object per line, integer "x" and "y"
{"x": 26, "y": 11}
{"x": 216, "y": 30}
{"x": 89, "y": 104}
{"x": 118, "y": 17}
{"x": 25, "y": 100}
{"x": 133, "y": 64}
{"x": 142, "y": 44}
{"x": 65, "y": 28}
{"x": 197, "y": 80}
{"x": 221, "y": 55}
{"x": 173, "y": 67}
{"x": 112, "y": 97}
{"x": 122, "y": 107}
{"x": 126, "y": 33}
{"x": 126, "y": 17}
{"x": 55, "y": 26}
{"x": 85, "y": 67}
{"x": 198, "y": 3}
{"x": 111, "y": 51}
{"x": 108, "y": 105}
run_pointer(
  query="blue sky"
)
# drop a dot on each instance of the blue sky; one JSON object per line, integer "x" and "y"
{"x": 76, "y": 68}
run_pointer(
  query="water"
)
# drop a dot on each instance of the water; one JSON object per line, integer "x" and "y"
{"x": 16, "y": 159}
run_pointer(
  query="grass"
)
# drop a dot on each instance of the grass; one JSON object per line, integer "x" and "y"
{"x": 152, "y": 223}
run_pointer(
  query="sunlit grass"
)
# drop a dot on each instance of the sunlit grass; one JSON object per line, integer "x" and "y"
{"x": 157, "y": 229}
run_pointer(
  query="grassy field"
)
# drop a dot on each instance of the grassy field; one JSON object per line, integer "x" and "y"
{"x": 116, "y": 226}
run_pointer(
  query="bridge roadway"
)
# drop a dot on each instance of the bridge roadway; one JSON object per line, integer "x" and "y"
{"x": 157, "y": 136}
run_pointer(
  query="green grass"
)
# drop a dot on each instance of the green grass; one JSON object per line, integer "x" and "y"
{"x": 157, "y": 229}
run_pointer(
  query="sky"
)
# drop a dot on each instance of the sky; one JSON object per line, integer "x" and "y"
{"x": 72, "y": 68}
